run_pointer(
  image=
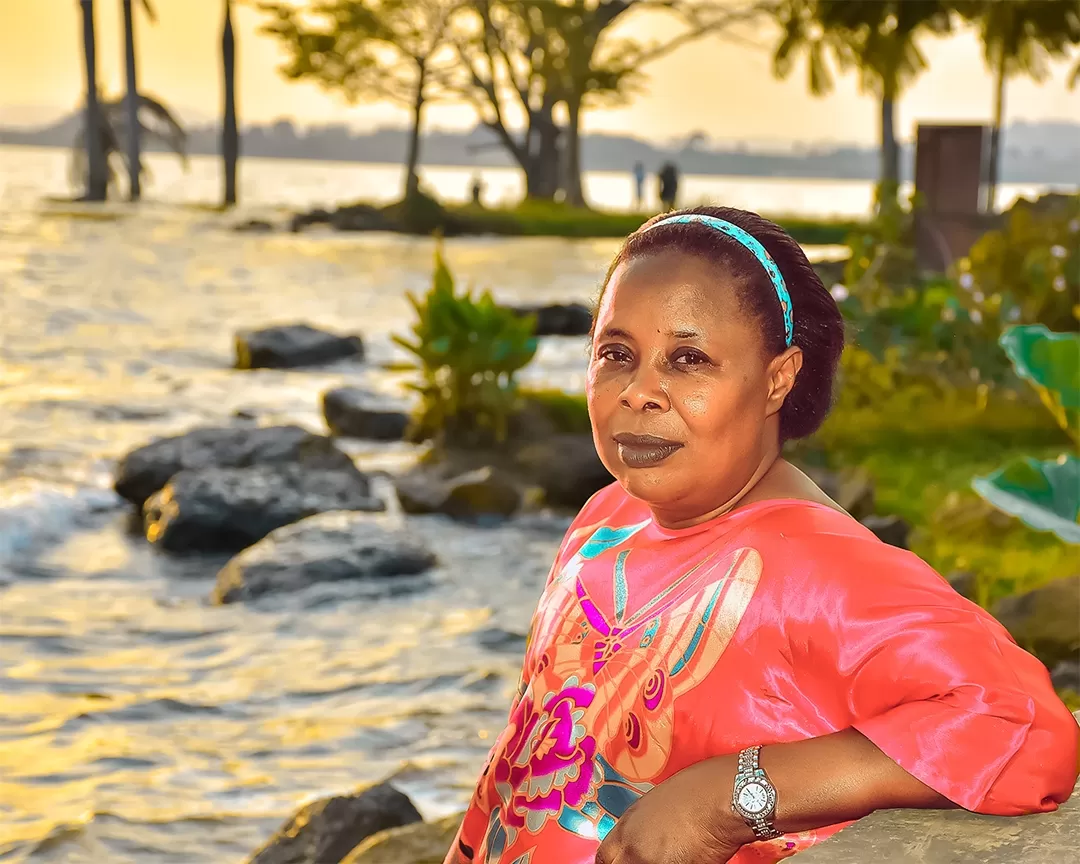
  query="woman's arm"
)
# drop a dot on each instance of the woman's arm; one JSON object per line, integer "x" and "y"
{"x": 819, "y": 782}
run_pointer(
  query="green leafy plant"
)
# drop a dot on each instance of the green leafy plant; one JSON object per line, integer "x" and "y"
{"x": 467, "y": 351}
{"x": 1044, "y": 495}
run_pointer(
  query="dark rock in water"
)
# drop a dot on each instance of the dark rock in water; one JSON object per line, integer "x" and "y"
{"x": 329, "y": 547}
{"x": 566, "y": 467}
{"x": 355, "y": 413}
{"x": 359, "y": 217}
{"x": 501, "y": 641}
{"x": 559, "y": 319}
{"x": 889, "y": 529}
{"x": 1066, "y": 675}
{"x": 289, "y": 346}
{"x": 147, "y": 469}
{"x": 318, "y": 216}
{"x": 471, "y": 495}
{"x": 948, "y": 836}
{"x": 419, "y": 843}
{"x": 963, "y": 583}
{"x": 227, "y": 509}
{"x": 254, "y": 226}
{"x": 325, "y": 831}
{"x": 1045, "y": 620}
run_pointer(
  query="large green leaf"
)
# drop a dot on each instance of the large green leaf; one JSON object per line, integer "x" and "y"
{"x": 1043, "y": 495}
{"x": 1050, "y": 362}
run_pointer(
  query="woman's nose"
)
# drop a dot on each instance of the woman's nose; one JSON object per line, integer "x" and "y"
{"x": 645, "y": 392}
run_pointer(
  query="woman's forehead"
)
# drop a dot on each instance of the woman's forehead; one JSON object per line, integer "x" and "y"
{"x": 667, "y": 286}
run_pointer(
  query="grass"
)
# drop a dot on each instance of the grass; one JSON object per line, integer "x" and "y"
{"x": 424, "y": 215}
{"x": 922, "y": 451}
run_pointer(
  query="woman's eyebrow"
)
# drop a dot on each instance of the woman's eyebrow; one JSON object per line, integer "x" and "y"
{"x": 685, "y": 333}
{"x": 615, "y": 333}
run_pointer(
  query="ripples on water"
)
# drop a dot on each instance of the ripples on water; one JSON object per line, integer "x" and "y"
{"x": 138, "y": 723}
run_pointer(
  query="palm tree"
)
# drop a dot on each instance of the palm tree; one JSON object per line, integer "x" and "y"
{"x": 230, "y": 136}
{"x": 153, "y": 121}
{"x": 876, "y": 37}
{"x": 97, "y": 170}
{"x": 132, "y": 102}
{"x": 1020, "y": 38}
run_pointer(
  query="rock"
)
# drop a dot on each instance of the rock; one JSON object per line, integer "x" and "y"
{"x": 501, "y": 641}
{"x": 227, "y": 509}
{"x": 948, "y": 836}
{"x": 325, "y": 831}
{"x": 474, "y": 494}
{"x": 359, "y": 217}
{"x": 147, "y": 469}
{"x": 328, "y": 547}
{"x": 1045, "y": 620}
{"x": 289, "y": 346}
{"x": 889, "y": 529}
{"x": 559, "y": 319}
{"x": 1066, "y": 675}
{"x": 318, "y": 216}
{"x": 963, "y": 583}
{"x": 354, "y": 413}
{"x": 566, "y": 467}
{"x": 418, "y": 843}
{"x": 254, "y": 226}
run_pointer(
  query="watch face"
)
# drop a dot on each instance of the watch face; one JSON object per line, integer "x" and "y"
{"x": 754, "y": 798}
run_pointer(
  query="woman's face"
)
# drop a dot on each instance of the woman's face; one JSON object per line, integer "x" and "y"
{"x": 684, "y": 401}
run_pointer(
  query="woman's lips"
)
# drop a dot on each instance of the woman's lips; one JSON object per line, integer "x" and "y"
{"x": 644, "y": 451}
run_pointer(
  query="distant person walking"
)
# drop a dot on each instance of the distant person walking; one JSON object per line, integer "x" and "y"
{"x": 639, "y": 186}
{"x": 477, "y": 190}
{"x": 668, "y": 178}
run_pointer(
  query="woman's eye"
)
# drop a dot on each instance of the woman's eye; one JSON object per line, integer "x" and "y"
{"x": 690, "y": 358}
{"x": 614, "y": 353}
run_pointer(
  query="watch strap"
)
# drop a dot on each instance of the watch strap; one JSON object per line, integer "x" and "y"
{"x": 749, "y": 767}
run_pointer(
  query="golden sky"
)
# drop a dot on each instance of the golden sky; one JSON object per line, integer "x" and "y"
{"x": 722, "y": 89}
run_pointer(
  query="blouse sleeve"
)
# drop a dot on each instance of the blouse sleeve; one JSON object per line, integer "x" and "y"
{"x": 929, "y": 677}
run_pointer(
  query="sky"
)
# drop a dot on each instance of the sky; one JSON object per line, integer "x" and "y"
{"x": 723, "y": 89}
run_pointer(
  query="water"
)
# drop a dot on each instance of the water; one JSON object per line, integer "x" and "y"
{"x": 27, "y": 173}
{"x": 137, "y": 722}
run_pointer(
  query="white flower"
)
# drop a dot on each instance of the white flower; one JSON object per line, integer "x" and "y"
{"x": 1059, "y": 283}
{"x": 839, "y": 292}
{"x": 978, "y": 297}
{"x": 948, "y": 314}
{"x": 1074, "y": 226}
{"x": 1058, "y": 251}
{"x": 966, "y": 281}
{"x": 1014, "y": 314}
{"x": 976, "y": 316}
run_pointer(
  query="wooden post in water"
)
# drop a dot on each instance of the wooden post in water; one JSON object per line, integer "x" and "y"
{"x": 97, "y": 173}
{"x": 230, "y": 136}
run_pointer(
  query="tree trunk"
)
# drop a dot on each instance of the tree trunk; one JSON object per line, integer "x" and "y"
{"x": 230, "y": 136}
{"x": 889, "y": 179}
{"x": 994, "y": 169}
{"x": 98, "y": 175}
{"x": 132, "y": 106}
{"x": 575, "y": 190}
{"x": 412, "y": 159}
{"x": 541, "y": 165}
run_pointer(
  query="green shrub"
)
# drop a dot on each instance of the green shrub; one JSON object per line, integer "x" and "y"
{"x": 467, "y": 352}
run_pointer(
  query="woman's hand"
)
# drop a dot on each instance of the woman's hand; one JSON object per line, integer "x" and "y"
{"x": 687, "y": 819}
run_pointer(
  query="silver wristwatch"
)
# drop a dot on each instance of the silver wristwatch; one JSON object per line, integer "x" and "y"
{"x": 754, "y": 796}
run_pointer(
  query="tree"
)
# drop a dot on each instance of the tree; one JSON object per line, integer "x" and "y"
{"x": 395, "y": 50}
{"x": 97, "y": 174}
{"x": 1020, "y": 37}
{"x": 153, "y": 121}
{"x": 878, "y": 38}
{"x": 230, "y": 134}
{"x": 527, "y": 57}
{"x": 134, "y": 161}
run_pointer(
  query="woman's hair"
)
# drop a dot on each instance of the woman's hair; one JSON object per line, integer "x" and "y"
{"x": 818, "y": 324}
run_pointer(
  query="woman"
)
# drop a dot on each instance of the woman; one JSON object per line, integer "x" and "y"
{"x": 725, "y": 666}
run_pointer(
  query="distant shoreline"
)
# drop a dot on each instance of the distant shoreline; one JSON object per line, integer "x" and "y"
{"x": 1050, "y": 164}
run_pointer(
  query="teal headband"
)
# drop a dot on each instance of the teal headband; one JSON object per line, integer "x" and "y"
{"x": 744, "y": 239}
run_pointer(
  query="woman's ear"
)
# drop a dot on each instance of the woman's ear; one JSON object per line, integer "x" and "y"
{"x": 783, "y": 370}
